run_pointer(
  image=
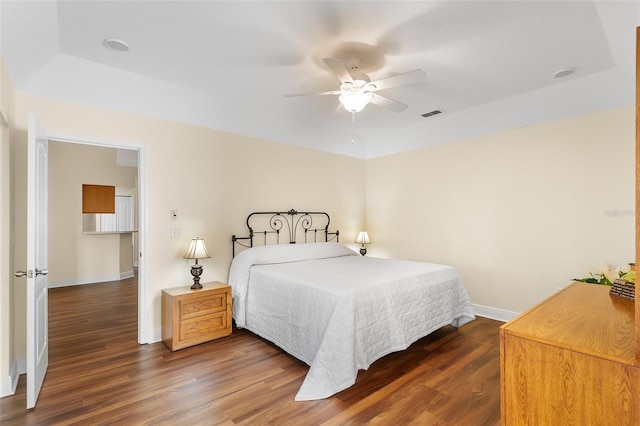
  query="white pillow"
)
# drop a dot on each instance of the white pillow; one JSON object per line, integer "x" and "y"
{"x": 283, "y": 253}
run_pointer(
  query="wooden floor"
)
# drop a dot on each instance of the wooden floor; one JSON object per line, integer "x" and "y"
{"x": 98, "y": 374}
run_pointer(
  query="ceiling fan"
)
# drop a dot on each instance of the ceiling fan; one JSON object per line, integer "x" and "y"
{"x": 357, "y": 90}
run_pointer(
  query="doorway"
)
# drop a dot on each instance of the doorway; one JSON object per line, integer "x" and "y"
{"x": 90, "y": 257}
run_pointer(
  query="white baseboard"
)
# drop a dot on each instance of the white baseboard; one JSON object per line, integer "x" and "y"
{"x": 6, "y": 387}
{"x": 93, "y": 280}
{"x": 157, "y": 335}
{"x": 21, "y": 366}
{"x": 8, "y": 384}
{"x": 494, "y": 313}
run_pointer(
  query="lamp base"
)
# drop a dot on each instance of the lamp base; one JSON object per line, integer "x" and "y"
{"x": 196, "y": 271}
{"x": 363, "y": 250}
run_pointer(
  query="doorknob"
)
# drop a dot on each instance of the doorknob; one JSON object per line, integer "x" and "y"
{"x": 20, "y": 273}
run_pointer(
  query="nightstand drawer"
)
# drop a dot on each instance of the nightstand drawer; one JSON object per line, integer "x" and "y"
{"x": 203, "y": 328}
{"x": 189, "y": 307}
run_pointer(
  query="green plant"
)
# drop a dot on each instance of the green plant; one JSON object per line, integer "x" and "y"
{"x": 608, "y": 276}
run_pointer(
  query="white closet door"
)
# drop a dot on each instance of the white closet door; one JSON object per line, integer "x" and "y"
{"x": 124, "y": 212}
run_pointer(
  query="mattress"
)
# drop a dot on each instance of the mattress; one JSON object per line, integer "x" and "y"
{"x": 339, "y": 312}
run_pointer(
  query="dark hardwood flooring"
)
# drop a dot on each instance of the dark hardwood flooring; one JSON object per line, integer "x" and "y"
{"x": 98, "y": 374}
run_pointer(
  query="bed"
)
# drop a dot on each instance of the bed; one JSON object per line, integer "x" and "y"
{"x": 331, "y": 308}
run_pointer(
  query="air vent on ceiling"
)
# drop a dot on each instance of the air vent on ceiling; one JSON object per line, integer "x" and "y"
{"x": 115, "y": 44}
{"x": 432, "y": 113}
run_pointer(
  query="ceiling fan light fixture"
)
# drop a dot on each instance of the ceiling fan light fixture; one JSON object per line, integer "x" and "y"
{"x": 355, "y": 102}
{"x": 357, "y": 90}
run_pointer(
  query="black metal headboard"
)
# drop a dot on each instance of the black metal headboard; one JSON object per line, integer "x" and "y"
{"x": 271, "y": 225}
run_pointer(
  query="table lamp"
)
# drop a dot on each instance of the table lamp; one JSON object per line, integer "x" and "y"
{"x": 363, "y": 238}
{"x": 197, "y": 250}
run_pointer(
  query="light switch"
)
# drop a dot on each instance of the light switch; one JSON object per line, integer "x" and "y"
{"x": 175, "y": 233}
{"x": 174, "y": 214}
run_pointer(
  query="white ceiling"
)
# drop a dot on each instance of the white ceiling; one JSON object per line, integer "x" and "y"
{"x": 227, "y": 64}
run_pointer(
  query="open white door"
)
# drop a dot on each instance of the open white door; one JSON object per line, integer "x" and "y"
{"x": 37, "y": 233}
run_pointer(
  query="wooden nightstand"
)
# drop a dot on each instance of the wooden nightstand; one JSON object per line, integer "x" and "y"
{"x": 190, "y": 317}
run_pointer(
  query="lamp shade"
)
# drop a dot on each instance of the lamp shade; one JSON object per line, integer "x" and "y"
{"x": 363, "y": 238}
{"x": 197, "y": 250}
{"x": 356, "y": 101}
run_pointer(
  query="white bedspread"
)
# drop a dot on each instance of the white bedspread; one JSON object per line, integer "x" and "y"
{"x": 339, "y": 312}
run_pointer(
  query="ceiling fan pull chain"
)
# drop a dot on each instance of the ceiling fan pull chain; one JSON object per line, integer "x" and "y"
{"x": 353, "y": 125}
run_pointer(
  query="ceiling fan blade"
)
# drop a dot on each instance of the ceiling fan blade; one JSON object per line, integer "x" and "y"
{"x": 414, "y": 76}
{"x": 339, "y": 69}
{"x": 388, "y": 103}
{"x": 332, "y": 92}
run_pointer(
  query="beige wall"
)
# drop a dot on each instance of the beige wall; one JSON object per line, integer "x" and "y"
{"x": 519, "y": 213}
{"x": 7, "y": 356}
{"x": 75, "y": 257}
{"x": 214, "y": 179}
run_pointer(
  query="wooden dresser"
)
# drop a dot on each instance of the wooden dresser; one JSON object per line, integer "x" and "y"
{"x": 571, "y": 361}
{"x": 190, "y": 317}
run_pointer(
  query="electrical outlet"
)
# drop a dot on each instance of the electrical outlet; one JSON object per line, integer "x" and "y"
{"x": 174, "y": 214}
{"x": 175, "y": 233}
